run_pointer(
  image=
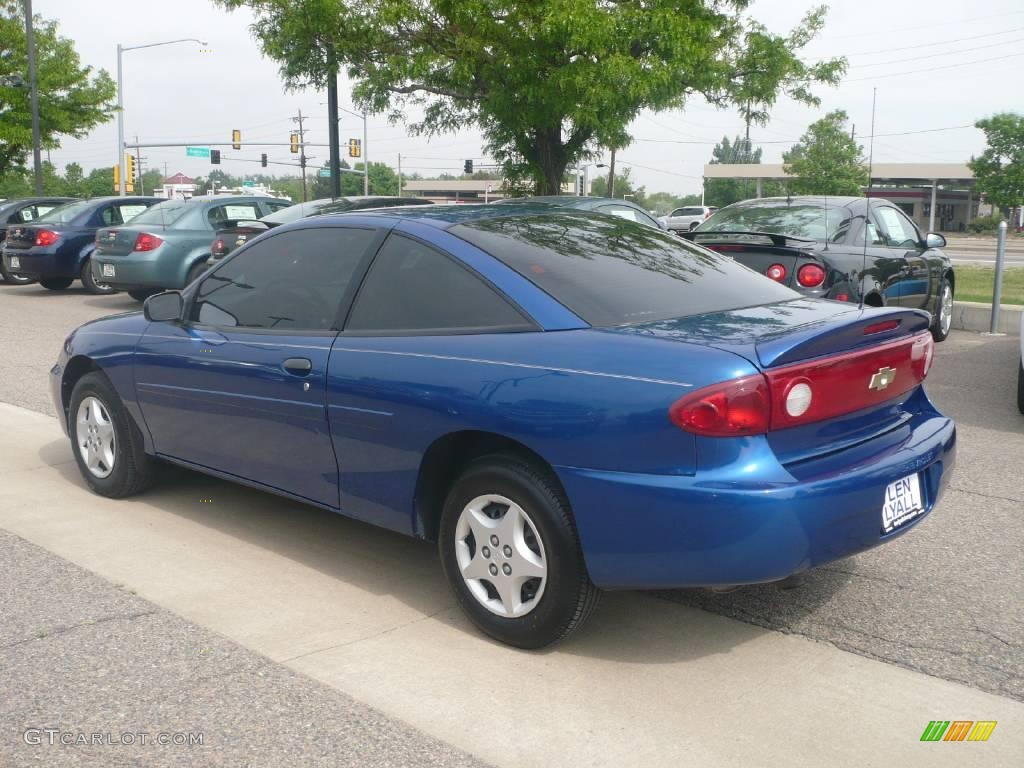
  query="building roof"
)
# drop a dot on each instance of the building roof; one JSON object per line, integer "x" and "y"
{"x": 179, "y": 178}
{"x": 894, "y": 172}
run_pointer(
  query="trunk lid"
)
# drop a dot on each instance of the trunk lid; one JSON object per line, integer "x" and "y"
{"x": 120, "y": 241}
{"x": 838, "y": 337}
{"x": 20, "y": 237}
{"x": 761, "y": 251}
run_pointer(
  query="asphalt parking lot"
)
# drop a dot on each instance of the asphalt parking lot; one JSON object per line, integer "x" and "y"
{"x": 943, "y": 601}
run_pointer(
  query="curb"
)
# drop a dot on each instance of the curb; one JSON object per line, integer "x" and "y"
{"x": 972, "y": 316}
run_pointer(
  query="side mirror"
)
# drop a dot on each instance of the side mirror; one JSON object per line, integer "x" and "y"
{"x": 163, "y": 307}
{"x": 934, "y": 240}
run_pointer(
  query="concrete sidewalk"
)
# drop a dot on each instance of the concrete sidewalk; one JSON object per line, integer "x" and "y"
{"x": 367, "y": 612}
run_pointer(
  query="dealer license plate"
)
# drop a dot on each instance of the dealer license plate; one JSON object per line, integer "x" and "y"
{"x": 902, "y": 503}
{"x": 15, "y": 262}
{"x": 108, "y": 270}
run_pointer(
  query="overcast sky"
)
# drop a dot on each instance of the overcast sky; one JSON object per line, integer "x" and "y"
{"x": 916, "y": 52}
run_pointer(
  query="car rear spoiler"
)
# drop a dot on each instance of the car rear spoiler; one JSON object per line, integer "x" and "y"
{"x": 779, "y": 241}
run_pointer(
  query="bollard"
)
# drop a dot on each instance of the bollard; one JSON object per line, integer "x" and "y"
{"x": 997, "y": 290}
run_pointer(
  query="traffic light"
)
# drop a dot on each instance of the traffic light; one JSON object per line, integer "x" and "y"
{"x": 263, "y": 159}
{"x": 117, "y": 178}
{"x": 294, "y": 143}
{"x": 236, "y": 139}
{"x": 355, "y": 148}
{"x": 129, "y": 175}
{"x": 214, "y": 157}
{"x": 467, "y": 167}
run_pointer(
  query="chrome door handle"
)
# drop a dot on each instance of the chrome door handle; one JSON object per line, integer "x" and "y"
{"x": 297, "y": 366}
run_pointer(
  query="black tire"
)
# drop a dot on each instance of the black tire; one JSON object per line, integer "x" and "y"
{"x": 1020, "y": 386}
{"x": 13, "y": 279}
{"x": 90, "y": 284}
{"x": 132, "y": 469}
{"x": 940, "y": 329}
{"x": 694, "y": 225}
{"x": 56, "y": 283}
{"x": 141, "y": 294}
{"x": 195, "y": 272}
{"x": 568, "y": 596}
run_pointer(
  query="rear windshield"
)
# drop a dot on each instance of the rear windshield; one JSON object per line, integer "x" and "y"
{"x": 296, "y": 212}
{"x": 62, "y": 214}
{"x": 163, "y": 213}
{"x": 798, "y": 219}
{"x": 615, "y": 272}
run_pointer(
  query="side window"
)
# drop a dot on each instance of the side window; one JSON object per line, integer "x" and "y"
{"x": 900, "y": 230}
{"x": 413, "y": 288}
{"x": 622, "y": 211}
{"x": 678, "y": 212}
{"x": 109, "y": 216}
{"x": 292, "y": 281}
{"x": 129, "y": 211}
{"x": 220, "y": 215}
{"x": 276, "y": 205}
{"x": 28, "y": 214}
{"x": 44, "y": 208}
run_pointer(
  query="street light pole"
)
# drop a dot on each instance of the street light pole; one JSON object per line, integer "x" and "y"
{"x": 33, "y": 84}
{"x": 120, "y": 98}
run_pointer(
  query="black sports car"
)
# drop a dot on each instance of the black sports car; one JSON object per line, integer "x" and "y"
{"x": 815, "y": 245}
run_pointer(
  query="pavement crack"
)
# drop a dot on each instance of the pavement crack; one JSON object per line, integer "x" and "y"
{"x": 985, "y": 495}
{"x": 61, "y": 630}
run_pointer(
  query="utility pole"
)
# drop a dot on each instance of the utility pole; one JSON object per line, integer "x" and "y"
{"x": 366, "y": 160}
{"x": 399, "y": 174}
{"x": 302, "y": 152}
{"x": 138, "y": 165}
{"x": 611, "y": 175}
{"x": 33, "y": 84}
{"x": 332, "y": 128}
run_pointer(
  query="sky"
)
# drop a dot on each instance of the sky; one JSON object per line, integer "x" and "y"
{"x": 936, "y": 64}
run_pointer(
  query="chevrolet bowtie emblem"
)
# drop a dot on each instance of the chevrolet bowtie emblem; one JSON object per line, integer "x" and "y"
{"x": 883, "y": 378}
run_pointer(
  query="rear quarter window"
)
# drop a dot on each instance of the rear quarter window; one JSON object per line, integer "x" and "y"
{"x": 613, "y": 272}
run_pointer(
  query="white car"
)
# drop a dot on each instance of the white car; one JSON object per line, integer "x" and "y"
{"x": 1020, "y": 369}
{"x": 686, "y": 218}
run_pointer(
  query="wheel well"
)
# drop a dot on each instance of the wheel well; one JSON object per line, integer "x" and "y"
{"x": 874, "y": 300}
{"x": 948, "y": 274}
{"x": 76, "y": 368}
{"x": 445, "y": 460}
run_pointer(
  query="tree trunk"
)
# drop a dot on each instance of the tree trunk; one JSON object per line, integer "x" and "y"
{"x": 551, "y": 160}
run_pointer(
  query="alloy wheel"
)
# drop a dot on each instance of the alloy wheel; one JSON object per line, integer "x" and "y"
{"x": 95, "y": 433}
{"x": 946, "y": 309}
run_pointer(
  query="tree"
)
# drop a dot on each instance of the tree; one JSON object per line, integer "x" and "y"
{"x": 721, "y": 192}
{"x": 152, "y": 180}
{"x": 548, "y": 82}
{"x": 99, "y": 182}
{"x": 74, "y": 180}
{"x": 623, "y": 187}
{"x": 663, "y": 203}
{"x": 826, "y": 160}
{"x": 999, "y": 170}
{"x": 72, "y": 99}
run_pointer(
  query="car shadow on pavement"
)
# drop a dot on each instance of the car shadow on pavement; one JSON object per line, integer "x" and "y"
{"x": 632, "y": 627}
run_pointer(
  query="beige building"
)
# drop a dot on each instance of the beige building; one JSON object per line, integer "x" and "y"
{"x": 938, "y": 196}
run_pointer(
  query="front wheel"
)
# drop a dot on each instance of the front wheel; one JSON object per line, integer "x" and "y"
{"x": 510, "y": 552}
{"x": 141, "y": 294}
{"x": 106, "y": 441}
{"x": 943, "y": 319}
{"x": 56, "y": 283}
{"x": 195, "y": 272}
{"x": 91, "y": 284}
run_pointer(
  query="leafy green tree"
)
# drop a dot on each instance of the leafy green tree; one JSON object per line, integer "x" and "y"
{"x": 826, "y": 160}
{"x": 547, "y": 82}
{"x": 999, "y": 170}
{"x": 72, "y": 99}
{"x": 74, "y": 180}
{"x": 152, "y": 180}
{"x": 721, "y": 192}
{"x": 623, "y": 187}
{"x": 663, "y": 203}
{"x": 383, "y": 181}
{"x": 99, "y": 182}
{"x": 289, "y": 186}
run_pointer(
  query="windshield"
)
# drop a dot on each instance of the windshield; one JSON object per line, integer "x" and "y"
{"x": 62, "y": 214}
{"x": 296, "y": 212}
{"x": 612, "y": 271}
{"x": 163, "y": 213}
{"x": 798, "y": 218}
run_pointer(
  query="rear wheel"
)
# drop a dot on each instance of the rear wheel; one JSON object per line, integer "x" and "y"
{"x": 942, "y": 321}
{"x": 56, "y": 283}
{"x": 694, "y": 225}
{"x": 141, "y": 294}
{"x": 510, "y": 553}
{"x": 91, "y": 284}
{"x": 195, "y": 272}
{"x": 1020, "y": 385}
{"x": 106, "y": 441}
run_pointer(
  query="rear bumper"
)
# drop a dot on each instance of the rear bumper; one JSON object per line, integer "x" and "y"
{"x": 728, "y": 527}
{"x": 41, "y": 262}
{"x": 136, "y": 271}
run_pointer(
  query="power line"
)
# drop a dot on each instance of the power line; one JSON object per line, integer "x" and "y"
{"x": 936, "y": 55}
{"x": 932, "y": 69}
{"x": 969, "y": 20}
{"x": 937, "y": 42}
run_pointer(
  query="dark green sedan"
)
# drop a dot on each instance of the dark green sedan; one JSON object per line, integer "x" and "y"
{"x": 167, "y": 246}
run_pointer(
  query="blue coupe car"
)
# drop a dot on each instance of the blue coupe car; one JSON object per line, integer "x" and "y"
{"x": 564, "y": 401}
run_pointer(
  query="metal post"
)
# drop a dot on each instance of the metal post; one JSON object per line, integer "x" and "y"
{"x": 33, "y": 85}
{"x": 931, "y": 213}
{"x": 366, "y": 160}
{"x": 399, "y": 174}
{"x": 610, "y": 192}
{"x": 586, "y": 179}
{"x": 703, "y": 182}
{"x": 759, "y": 188}
{"x": 120, "y": 121}
{"x": 970, "y": 205}
{"x": 997, "y": 290}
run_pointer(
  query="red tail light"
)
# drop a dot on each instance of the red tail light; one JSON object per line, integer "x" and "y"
{"x": 147, "y": 242}
{"x": 218, "y": 248}
{"x": 731, "y": 409}
{"x": 720, "y": 247}
{"x": 776, "y": 272}
{"x": 806, "y": 392}
{"x": 707, "y": 214}
{"x": 46, "y": 237}
{"x": 810, "y": 276}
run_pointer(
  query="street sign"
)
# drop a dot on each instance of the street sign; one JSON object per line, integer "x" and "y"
{"x": 325, "y": 173}
{"x": 197, "y": 151}
{"x": 248, "y": 183}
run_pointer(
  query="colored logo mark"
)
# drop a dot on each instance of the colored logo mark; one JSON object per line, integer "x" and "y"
{"x": 958, "y": 730}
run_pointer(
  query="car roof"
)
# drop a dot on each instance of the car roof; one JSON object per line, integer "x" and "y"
{"x": 838, "y": 201}
{"x": 446, "y": 216}
{"x": 200, "y": 199}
